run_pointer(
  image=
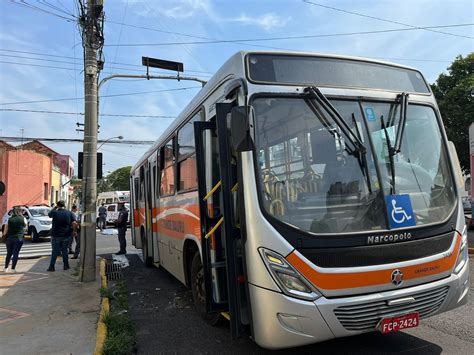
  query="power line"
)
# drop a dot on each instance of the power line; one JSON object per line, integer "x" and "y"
{"x": 39, "y": 9}
{"x": 383, "y": 19}
{"x": 76, "y": 61}
{"x": 75, "y": 140}
{"x": 82, "y": 114}
{"x": 288, "y": 37}
{"x": 113, "y": 95}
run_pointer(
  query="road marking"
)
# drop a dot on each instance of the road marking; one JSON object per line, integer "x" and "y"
{"x": 11, "y": 315}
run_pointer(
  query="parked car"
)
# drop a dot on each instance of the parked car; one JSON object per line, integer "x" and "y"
{"x": 37, "y": 220}
{"x": 466, "y": 203}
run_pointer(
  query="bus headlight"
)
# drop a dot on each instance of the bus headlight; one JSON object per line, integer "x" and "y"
{"x": 290, "y": 281}
{"x": 463, "y": 252}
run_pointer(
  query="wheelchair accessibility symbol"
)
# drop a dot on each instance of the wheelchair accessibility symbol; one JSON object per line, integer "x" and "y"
{"x": 400, "y": 211}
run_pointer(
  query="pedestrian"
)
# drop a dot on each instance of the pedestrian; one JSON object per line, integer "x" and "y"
{"x": 76, "y": 233}
{"x": 121, "y": 223}
{"x": 14, "y": 231}
{"x": 102, "y": 217}
{"x": 61, "y": 231}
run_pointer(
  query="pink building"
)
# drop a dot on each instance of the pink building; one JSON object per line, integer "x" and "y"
{"x": 26, "y": 174}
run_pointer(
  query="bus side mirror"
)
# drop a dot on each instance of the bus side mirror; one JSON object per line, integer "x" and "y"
{"x": 240, "y": 129}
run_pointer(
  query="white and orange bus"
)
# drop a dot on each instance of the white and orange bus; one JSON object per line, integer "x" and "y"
{"x": 307, "y": 197}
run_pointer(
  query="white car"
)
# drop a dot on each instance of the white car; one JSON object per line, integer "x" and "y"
{"x": 38, "y": 224}
{"x": 113, "y": 212}
{"x": 466, "y": 203}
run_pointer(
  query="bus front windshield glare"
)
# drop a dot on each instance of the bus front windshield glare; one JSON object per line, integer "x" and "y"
{"x": 311, "y": 177}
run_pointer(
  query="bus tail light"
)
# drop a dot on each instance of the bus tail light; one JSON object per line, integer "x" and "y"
{"x": 463, "y": 252}
{"x": 290, "y": 281}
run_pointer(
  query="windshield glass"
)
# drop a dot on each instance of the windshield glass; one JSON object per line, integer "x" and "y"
{"x": 421, "y": 166}
{"x": 39, "y": 212}
{"x": 309, "y": 179}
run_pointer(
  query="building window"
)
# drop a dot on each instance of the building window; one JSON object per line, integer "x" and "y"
{"x": 46, "y": 191}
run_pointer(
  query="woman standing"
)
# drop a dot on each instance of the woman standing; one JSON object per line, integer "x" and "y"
{"x": 14, "y": 232}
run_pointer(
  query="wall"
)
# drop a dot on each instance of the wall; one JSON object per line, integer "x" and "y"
{"x": 24, "y": 173}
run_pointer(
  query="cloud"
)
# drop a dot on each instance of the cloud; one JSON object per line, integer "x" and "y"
{"x": 176, "y": 9}
{"x": 267, "y": 21}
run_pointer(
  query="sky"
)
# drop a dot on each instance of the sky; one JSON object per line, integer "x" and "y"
{"x": 41, "y": 55}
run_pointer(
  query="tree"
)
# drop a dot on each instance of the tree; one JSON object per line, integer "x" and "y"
{"x": 119, "y": 180}
{"x": 453, "y": 93}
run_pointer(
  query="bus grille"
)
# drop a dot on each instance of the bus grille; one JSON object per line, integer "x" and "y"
{"x": 366, "y": 316}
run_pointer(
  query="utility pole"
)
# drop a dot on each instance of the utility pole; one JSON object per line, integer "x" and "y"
{"x": 92, "y": 42}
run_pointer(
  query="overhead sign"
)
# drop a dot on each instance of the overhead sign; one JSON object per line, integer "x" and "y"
{"x": 2, "y": 188}
{"x": 162, "y": 64}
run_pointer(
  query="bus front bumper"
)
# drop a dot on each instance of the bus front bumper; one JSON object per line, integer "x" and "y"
{"x": 280, "y": 321}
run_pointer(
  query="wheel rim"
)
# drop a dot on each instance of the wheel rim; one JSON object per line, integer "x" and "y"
{"x": 199, "y": 286}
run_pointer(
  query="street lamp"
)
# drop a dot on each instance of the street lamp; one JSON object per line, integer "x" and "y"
{"x": 118, "y": 137}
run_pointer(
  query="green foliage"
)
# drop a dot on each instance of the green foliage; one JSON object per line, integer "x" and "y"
{"x": 453, "y": 93}
{"x": 118, "y": 180}
{"x": 121, "y": 334}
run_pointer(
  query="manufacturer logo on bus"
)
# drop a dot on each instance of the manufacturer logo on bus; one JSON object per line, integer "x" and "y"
{"x": 388, "y": 238}
{"x": 397, "y": 277}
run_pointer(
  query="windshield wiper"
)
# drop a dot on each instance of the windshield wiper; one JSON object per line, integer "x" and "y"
{"x": 316, "y": 95}
{"x": 358, "y": 149}
{"x": 403, "y": 98}
{"x": 390, "y": 155}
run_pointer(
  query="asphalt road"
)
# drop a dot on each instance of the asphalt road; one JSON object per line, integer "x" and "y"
{"x": 162, "y": 310}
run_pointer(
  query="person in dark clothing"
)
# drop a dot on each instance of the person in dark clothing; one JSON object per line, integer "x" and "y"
{"x": 102, "y": 217}
{"x": 14, "y": 231}
{"x": 122, "y": 228}
{"x": 61, "y": 231}
{"x": 76, "y": 233}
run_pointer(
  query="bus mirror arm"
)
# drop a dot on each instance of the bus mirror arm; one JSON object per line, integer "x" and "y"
{"x": 240, "y": 129}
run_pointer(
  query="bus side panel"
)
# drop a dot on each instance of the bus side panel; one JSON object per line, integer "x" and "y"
{"x": 177, "y": 219}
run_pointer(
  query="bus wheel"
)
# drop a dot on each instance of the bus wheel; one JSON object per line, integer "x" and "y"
{"x": 199, "y": 291}
{"x": 146, "y": 259}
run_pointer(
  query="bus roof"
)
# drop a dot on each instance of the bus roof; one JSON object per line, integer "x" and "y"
{"x": 234, "y": 67}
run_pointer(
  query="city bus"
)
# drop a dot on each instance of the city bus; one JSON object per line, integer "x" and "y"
{"x": 306, "y": 197}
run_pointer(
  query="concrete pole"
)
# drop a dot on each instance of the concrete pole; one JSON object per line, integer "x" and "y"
{"x": 89, "y": 181}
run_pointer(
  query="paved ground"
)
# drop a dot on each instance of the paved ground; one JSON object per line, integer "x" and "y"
{"x": 47, "y": 313}
{"x": 162, "y": 311}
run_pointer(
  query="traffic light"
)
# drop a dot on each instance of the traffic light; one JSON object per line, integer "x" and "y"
{"x": 80, "y": 167}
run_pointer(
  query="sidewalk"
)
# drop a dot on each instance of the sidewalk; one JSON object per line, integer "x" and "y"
{"x": 47, "y": 313}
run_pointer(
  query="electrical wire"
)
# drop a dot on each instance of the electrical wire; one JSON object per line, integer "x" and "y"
{"x": 288, "y": 37}
{"x": 82, "y": 114}
{"x": 104, "y": 102}
{"x": 382, "y": 19}
{"x": 112, "y": 95}
{"x": 39, "y": 9}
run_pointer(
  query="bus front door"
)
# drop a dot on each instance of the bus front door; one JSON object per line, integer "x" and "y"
{"x": 224, "y": 274}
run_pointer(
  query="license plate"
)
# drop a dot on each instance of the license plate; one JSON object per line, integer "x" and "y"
{"x": 388, "y": 325}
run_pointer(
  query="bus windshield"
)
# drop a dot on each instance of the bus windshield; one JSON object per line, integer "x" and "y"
{"x": 310, "y": 177}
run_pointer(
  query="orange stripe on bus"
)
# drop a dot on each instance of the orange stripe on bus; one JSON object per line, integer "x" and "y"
{"x": 331, "y": 281}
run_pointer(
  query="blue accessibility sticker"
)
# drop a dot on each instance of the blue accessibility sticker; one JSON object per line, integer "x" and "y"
{"x": 369, "y": 113}
{"x": 400, "y": 212}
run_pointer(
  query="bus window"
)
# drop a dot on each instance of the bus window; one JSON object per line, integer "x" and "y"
{"x": 186, "y": 156}
{"x": 167, "y": 174}
{"x": 157, "y": 180}
{"x": 135, "y": 182}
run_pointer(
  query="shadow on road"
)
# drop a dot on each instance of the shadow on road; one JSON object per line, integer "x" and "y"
{"x": 162, "y": 310}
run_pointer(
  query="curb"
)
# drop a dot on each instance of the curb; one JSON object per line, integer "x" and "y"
{"x": 104, "y": 309}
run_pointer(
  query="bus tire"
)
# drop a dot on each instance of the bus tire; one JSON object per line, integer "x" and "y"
{"x": 199, "y": 291}
{"x": 147, "y": 260}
